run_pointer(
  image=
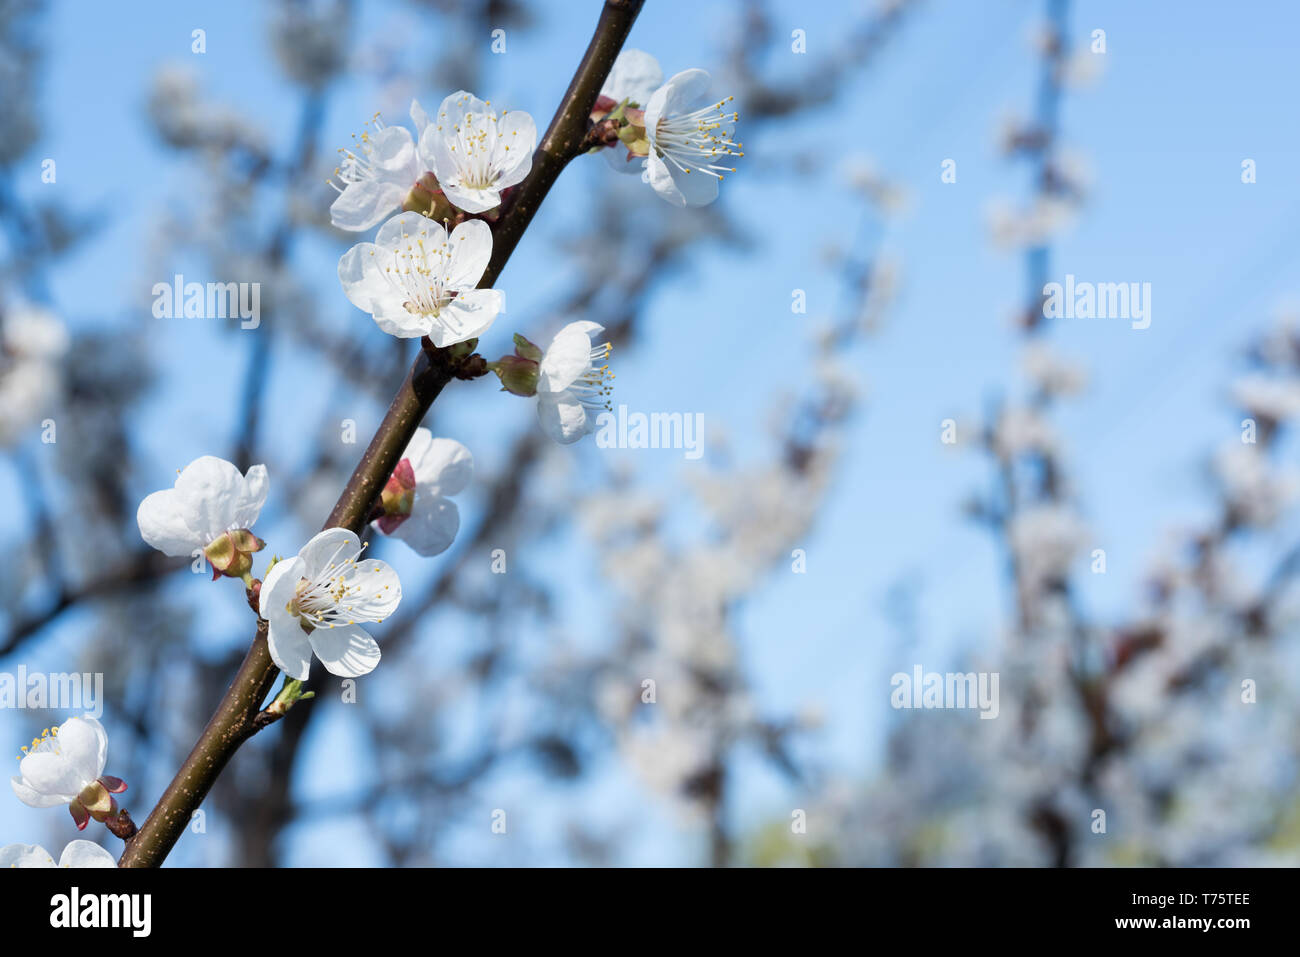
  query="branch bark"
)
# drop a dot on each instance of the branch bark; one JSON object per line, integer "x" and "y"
{"x": 237, "y": 717}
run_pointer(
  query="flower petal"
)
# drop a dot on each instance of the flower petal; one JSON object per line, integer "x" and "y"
{"x": 417, "y": 447}
{"x": 566, "y": 358}
{"x": 405, "y": 228}
{"x": 432, "y": 525}
{"x": 678, "y": 95}
{"x": 444, "y": 466}
{"x": 402, "y": 323}
{"x": 81, "y": 853}
{"x": 363, "y": 205}
{"x": 383, "y": 590}
{"x": 289, "y": 646}
{"x": 280, "y": 585}
{"x": 469, "y": 199}
{"x": 48, "y": 774}
{"x": 635, "y": 76}
{"x": 394, "y": 157}
{"x": 83, "y": 743}
{"x": 470, "y": 249}
{"x": 563, "y": 417}
{"x": 362, "y": 277}
{"x": 681, "y": 188}
{"x": 456, "y": 106}
{"x": 249, "y": 504}
{"x": 467, "y": 316}
{"x": 209, "y": 492}
{"x": 285, "y": 639}
{"x": 33, "y": 798}
{"x": 25, "y": 855}
{"x": 163, "y": 527}
{"x": 518, "y": 136}
{"x": 347, "y": 651}
{"x": 333, "y": 546}
{"x": 419, "y": 117}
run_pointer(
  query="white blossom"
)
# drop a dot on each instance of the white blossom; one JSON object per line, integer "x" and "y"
{"x": 65, "y": 765}
{"x": 376, "y": 173}
{"x": 415, "y": 280}
{"x": 317, "y": 601}
{"x": 415, "y": 503}
{"x": 210, "y": 509}
{"x": 689, "y": 141}
{"x": 476, "y": 153}
{"x": 571, "y": 388}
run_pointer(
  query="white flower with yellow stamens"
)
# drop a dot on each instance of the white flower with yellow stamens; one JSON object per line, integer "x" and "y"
{"x": 688, "y": 143}
{"x": 377, "y": 173}
{"x": 573, "y": 382}
{"x": 317, "y": 601}
{"x": 415, "y": 280}
{"x": 65, "y": 765}
{"x": 476, "y": 153}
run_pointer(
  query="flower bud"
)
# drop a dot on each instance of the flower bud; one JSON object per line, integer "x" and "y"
{"x": 517, "y": 374}
{"x": 461, "y": 350}
{"x": 527, "y": 350}
{"x": 397, "y": 498}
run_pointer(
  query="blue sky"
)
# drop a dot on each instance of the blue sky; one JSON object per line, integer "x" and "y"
{"x": 1184, "y": 95}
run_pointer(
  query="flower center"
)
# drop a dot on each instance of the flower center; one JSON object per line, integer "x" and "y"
{"x": 420, "y": 273}
{"x": 338, "y": 595}
{"x": 593, "y": 387}
{"x": 479, "y": 149}
{"x": 697, "y": 140}
{"x": 48, "y": 741}
{"x": 356, "y": 165}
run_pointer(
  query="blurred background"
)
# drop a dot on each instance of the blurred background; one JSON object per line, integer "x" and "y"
{"x": 904, "y": 463}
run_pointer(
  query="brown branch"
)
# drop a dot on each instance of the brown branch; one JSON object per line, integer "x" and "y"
{"x": 236, "y": 718}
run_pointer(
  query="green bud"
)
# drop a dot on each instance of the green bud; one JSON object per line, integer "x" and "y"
{"x": 526, "y": 350}
{"x": 462, "y": 349}
{"x": 517, "y": 374}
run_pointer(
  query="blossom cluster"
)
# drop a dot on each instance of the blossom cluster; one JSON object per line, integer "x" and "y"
{"x": 438, "y": 190}
{"x": 316, "y": 602}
